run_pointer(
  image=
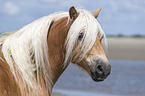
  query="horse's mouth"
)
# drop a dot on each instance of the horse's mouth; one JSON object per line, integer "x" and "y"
{"x": 98, "y": 79}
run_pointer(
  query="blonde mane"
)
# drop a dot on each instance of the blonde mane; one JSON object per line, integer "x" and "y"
{"x": 27, "y": 43}
{"x": 30, "y": 42}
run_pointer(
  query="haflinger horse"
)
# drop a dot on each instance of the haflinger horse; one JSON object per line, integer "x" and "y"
{"x": 33, "y": 58}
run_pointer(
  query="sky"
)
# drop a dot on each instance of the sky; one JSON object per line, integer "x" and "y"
{"x": 126, "y": 17}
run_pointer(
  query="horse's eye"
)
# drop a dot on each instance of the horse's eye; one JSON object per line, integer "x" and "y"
{"x": 81, "y": 36}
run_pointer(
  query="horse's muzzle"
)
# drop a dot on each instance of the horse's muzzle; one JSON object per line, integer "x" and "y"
{"x": 100, "y": 71}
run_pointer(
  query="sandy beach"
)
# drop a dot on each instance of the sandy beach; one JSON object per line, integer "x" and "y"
{"x": 126, "y": 48}
{"x": 121, "y": 49}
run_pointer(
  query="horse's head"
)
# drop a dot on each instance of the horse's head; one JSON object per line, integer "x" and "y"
{"x": 88, "y": 49}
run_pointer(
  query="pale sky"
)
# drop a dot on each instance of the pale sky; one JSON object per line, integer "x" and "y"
{"x": 125, "y": 17}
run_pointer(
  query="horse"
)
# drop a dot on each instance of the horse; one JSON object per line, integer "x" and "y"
{"x": 33, "y": 57}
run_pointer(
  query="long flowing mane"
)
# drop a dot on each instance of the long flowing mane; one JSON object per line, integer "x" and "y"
{"x": 26, "y": 44}
{"x": 29, "y": 44}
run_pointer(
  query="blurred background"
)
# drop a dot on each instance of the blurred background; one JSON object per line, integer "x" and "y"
{"x": 123, "y": 21}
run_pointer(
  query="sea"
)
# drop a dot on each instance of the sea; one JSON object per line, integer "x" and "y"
{"x": 127, "y": 78}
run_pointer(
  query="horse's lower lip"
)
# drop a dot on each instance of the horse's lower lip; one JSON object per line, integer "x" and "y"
{"x": 98, "y": 79}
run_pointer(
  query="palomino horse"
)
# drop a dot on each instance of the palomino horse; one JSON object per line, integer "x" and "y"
{"x": 33, "y": 58}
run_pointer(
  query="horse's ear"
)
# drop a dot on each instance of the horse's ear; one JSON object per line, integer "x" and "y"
{"x": 73, "y": 13}
{"x": 96, "y": 13}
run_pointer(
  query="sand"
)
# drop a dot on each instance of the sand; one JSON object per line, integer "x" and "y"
{"x": 57, "y": 94}
{"x": 126, "y": 48}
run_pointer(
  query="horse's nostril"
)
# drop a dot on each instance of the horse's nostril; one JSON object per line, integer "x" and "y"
{"x": 100, "y": 68}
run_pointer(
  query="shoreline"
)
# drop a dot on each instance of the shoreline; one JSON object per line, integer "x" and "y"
{"x": 65, "y": 92}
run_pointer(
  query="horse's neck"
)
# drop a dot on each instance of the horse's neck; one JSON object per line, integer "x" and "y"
{"x": 56, "y": 41}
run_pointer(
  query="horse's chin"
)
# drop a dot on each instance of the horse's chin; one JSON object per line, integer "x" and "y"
{"x": 99, "y": 79}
